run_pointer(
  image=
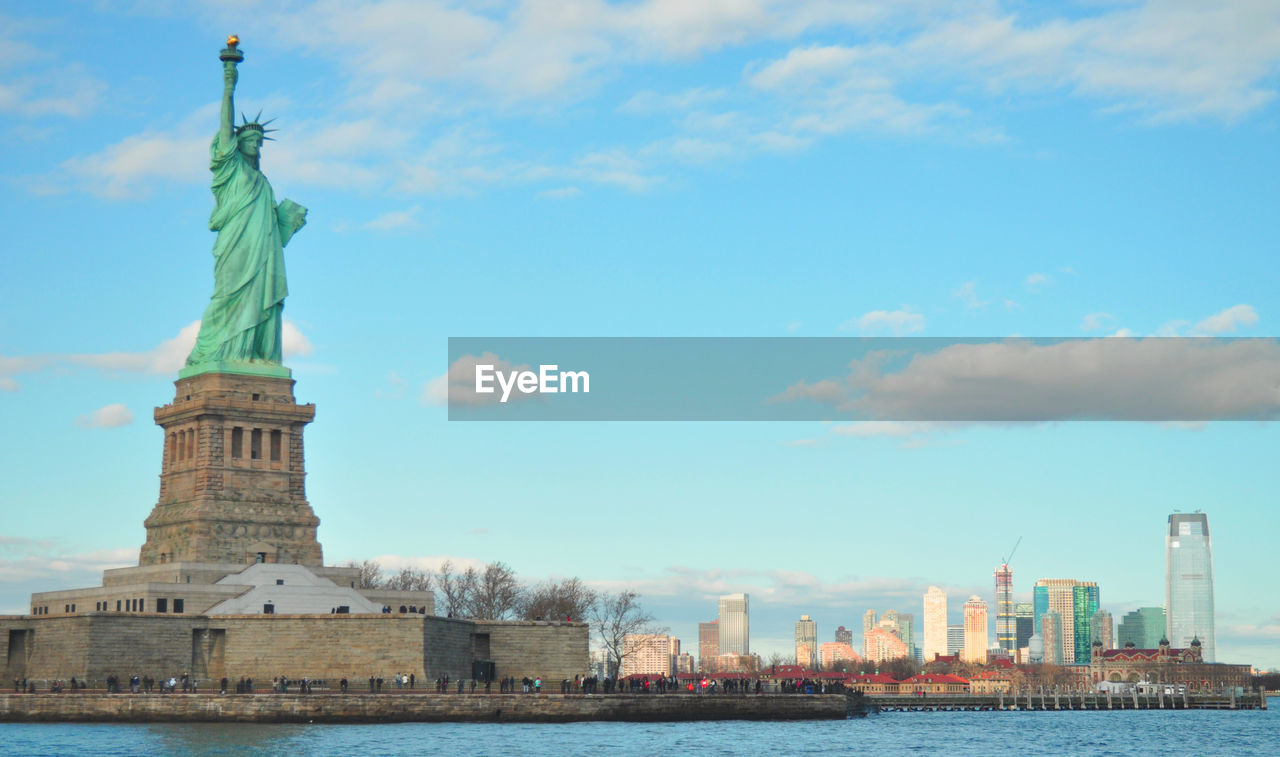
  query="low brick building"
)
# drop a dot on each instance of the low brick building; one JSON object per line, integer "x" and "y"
{"x": 1165, "y": 664}
{"x": 875, "y": 684}
{"x": 991, "y": 682}
{"x": 934, "y": 683}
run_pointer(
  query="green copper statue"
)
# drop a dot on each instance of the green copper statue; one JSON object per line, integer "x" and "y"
{"x": 240, "y": 331}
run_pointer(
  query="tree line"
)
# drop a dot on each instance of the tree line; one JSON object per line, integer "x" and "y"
{"x": 495, "y": 592}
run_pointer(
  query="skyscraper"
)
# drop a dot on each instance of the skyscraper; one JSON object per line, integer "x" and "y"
{"x": 882, "y": 645}
{"x": 955, "y": 639}
{"x": 735, "y": 628}
{"x": 844, "y": 636}
{"x": 889, "y": 622}
{"x": 1084, "y": 603}
{"x": 868, "y": 623}
{"x": 1024, "y": 616}
{"x": 1143, "y": 628}
{"x": 935, "y": 623}
{"x": 806, "y": 642}
{"x": 1051, "y": 634}
{"x": 1189, "y": 582}
{"x": 1060, "y": 595}
{"x": 1101, "y": 630}
{"x": 975, "y": 630}
{"x": 1006, "y": 625}
{"x": 833, "y": 653}
{"x": 907, "y": 631}
{"x": 649, "y": 654}
{"x": 708, "y": 644}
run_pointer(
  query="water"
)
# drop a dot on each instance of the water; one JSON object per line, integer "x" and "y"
{"x": 1200, "y": 732}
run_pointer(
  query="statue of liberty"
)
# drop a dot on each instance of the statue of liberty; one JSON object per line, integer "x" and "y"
{"x": 241, "y": 328}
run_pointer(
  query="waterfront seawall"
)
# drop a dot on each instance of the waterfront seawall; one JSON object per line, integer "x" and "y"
{"x": 420, "y": 708}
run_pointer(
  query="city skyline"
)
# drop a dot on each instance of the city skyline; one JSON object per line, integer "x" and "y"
{"x": 783, "y": 174}
{"x": 1065, "y": 617}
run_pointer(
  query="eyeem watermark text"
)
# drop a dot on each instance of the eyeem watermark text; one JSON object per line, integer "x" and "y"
{"x": 549, "y": 379}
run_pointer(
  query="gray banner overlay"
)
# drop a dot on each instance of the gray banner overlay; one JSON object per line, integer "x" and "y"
{"x": 935, "y": 380}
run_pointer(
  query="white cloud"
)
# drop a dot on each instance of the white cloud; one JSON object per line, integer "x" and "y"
{"x": 125, "y": 169}
{"x": 1223, "y": 322}
{"x": 801, "y": 443}
{"x": 648, "y": 101}
{"x": 292, "y": 341}
{"x": 1095, "y": 321}
{"x": 772, "y": 588}
{"x": 398, "y": 385}
{"x": 968, "y": 293}
{"x": 895, "y": 322}
{"x": 458, "y": 385}
{"x": 110, "y": 416}
{"x": 7, "y": 384}
{"x": 916, "y": 67}
{"x": 1020, "y": 381}
{"x": 168, "y": 357}
{"x": 66, "y": 91}
{"x": 1037, "y": 280}
{"x": 395, "y": 219}
{"x": 866, "y": 429}
{"x": 23, "y": 560}
{"x": 1227, "y": 321}
{"x": 559, "y": 193}
{"x": 810, "y": 66}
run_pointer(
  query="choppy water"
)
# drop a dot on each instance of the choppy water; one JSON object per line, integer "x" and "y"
{"x": 959, "y": 733}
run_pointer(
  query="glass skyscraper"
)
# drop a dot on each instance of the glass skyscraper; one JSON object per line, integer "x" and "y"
{"x": 1075, "y": 602}
{"x": 1143, "y": 628}
{"x": 1189, "y": 582}
{"x": 1084, "y": 603}
{"x": 1024, "y": 616}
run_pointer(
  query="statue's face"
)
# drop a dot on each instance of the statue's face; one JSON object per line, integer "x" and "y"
{"x": 250, "y": 143}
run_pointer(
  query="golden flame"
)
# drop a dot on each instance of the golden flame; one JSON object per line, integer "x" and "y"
{"x": 233, "y": 40}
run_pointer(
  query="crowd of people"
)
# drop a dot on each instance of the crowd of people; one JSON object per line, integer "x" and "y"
{"x": 635, "y": 684}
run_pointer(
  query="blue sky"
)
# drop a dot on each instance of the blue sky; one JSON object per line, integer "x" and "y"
{"x": 745, "y": 168}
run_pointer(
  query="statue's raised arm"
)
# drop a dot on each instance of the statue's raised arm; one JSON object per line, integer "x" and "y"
{"x": 241, "y": 328}
{"x": 230, "y": 75}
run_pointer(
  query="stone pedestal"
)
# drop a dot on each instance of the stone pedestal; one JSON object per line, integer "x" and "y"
{"x": 232, "y": 483}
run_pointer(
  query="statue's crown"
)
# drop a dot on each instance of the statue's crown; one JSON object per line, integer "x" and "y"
{"x": 254, "y": 125}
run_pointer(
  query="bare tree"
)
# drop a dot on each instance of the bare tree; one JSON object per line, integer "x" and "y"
{"x": 496, "y": 592}
{"x": 457, "y": 588}
{"x": 409, "y": 579}
{"x": 370, "y": 573}
{"x": 569, "y": 599}
{"x": 614, "y": 617}
{"x": 900, "y": 668}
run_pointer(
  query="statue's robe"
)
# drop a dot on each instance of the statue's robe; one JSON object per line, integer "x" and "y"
{"x": 243, "y": 320}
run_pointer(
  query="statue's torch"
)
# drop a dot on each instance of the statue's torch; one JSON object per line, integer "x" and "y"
{"x": 231, "y": 52}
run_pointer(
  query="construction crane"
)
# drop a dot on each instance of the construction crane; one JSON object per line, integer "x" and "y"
{"x": 1005, "y": 561}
